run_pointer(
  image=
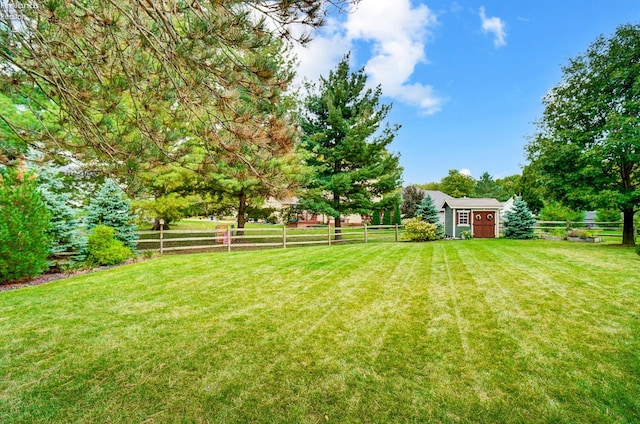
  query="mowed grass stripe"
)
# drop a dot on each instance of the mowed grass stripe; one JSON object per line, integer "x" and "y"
{"x": 473, "y": 331}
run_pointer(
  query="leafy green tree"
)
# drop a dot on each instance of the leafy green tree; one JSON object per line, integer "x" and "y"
{"x": 110, "y": 207}
{"x": 556, "y": 211}
{"x": 531, "y": 189}
{"x": 24, "y": 221}
{"x": 457, "y": 185}
{"x": 343, "y": 133}
{"x": 610, "y": 216}
{"x": 428, "y": 212}
{"x": 509, "y": 186}
{"x": 586, "y": 148}
{"x": 429, "y": 186}
{"x": 486, "y": 186}
{"x": 519, "y": 222}
{"x": 411, "y": 197}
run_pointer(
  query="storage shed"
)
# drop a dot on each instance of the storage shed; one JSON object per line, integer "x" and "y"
{"x": 479, "y": 216}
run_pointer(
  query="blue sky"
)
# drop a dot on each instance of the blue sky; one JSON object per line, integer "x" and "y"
{"x": 466, "y": 78}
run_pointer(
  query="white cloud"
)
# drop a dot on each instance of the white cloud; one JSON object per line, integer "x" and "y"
{"x": 465, "y": 171}
{"x": 494, "y": 25}
{"x": 397, "y": 34}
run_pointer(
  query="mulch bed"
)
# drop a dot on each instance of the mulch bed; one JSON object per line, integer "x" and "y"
{"x": 53, "y": 275}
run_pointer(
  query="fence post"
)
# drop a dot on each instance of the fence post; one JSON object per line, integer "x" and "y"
{"x": 366, "y": 236}
{"x": 228, "y": 238}
{"x": 329, "y": 233}
{"x": 284, "y": 236}
{"x": 396, "y": 232}
{"x": 161, "y": 236}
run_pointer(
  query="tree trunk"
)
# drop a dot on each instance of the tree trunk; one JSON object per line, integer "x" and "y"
{"x": 628, "y": 236}
{"x": 242, "y": 211}
{"x": 156, "y": 225}
{"x": 338, "y": 228}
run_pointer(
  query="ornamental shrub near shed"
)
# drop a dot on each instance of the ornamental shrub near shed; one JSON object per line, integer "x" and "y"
{"x": 418, "y": 230}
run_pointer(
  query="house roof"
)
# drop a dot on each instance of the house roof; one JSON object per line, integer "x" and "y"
{"x": 438, "y": 197}
{"x": 473, "y": 203}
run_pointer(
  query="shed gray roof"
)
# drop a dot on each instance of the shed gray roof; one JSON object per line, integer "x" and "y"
{"x": 473, "y": 203}
{"x": 438, "y": 197}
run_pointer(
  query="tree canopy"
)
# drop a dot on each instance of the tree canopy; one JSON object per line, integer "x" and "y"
{"x": 587, "y": 147}
{"x": 457, "y": 184}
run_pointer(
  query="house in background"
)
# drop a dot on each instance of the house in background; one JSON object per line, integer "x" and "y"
{"x": 480, "y": 216}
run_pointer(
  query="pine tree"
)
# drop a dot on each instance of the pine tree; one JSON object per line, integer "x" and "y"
{"x": 519, "y": 221}
{"x": 111, "y": 207}
{"x": 429, "y": 213}
{"x": 346, "y": 140}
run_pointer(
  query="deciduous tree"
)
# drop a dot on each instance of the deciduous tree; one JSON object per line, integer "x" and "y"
{"x": 457, "y": 184}
{"x": 587, "y": 148}
{"x": 411, "y": 198}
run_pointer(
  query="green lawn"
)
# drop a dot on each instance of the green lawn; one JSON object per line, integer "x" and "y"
{"x": 459, "y": 331}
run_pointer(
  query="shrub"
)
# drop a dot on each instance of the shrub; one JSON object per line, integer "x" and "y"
{"x": 638, "y": 249}
{"x": 467, "y": 235}
{"x": 104, "y": 249}
{"x": 24, "y": 220}
{"x": 554, "y": 211}
{"x": 418, "y": 230}
{"x": 110, "y": 207}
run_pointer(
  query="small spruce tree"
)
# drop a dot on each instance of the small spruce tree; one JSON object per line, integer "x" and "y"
{"x": 110, "y": 207}
{"x": 397, "y": 216}
{"x": 63, "y": 226}
{"x": 519, "y": 221}
{"x": 429, "y": 213}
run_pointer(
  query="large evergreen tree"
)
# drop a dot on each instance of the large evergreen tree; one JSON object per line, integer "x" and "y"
{"x": 586, "y": 152}
{"x": 346, "y": 140}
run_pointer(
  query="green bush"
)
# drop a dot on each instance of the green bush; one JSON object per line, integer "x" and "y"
{"x": 418, "y": 230}
{"x": 104, "y": 249}
{"x": 110, "y": 207}
{"x": 638, "y": 249}
{"x": 24, "y": 220}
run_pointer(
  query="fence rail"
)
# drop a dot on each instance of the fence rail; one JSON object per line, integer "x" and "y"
{"x": 229, "y": 238}
{"x": 561, "y": 228}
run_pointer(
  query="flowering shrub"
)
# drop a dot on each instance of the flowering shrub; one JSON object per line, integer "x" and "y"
{"x": 418, "y": 230}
